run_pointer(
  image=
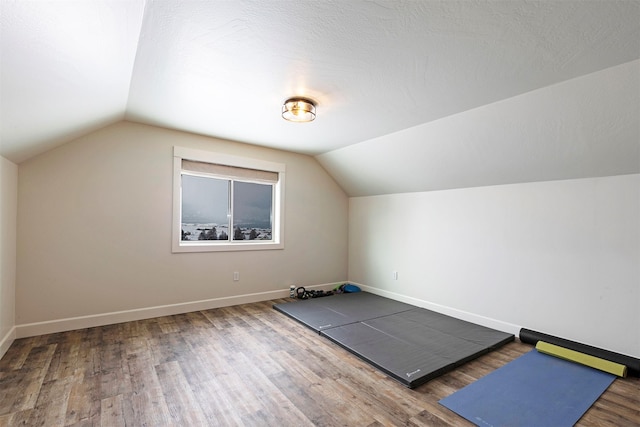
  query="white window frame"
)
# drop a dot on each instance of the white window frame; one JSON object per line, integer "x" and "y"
{"x": 277, "y": 231}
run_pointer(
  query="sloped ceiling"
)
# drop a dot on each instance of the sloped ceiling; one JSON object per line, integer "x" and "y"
{"x": 65, "y": 70}
{"x": 375, "y": 68}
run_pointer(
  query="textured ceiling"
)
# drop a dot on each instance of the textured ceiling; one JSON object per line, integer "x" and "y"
{"x": 223, "y": 68}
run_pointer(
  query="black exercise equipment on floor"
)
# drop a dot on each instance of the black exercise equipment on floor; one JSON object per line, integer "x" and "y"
{"x": 411, "y": 344}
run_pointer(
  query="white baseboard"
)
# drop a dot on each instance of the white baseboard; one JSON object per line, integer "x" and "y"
{"x": 458, "y": 314}
{"x": 62, "y": 325}
{"x": 90, "y": 321}
{"x": 7, "y": 340}
{"x": 69, "y": 324}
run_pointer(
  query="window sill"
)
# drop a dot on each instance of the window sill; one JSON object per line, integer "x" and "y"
{"x": 209, "y": 247}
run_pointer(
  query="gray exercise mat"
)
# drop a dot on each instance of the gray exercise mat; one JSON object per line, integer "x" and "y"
{"x": 341, "y": 309}
{"x": 417, "y": 345}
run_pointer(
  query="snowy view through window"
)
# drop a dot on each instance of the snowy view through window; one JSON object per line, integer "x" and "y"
{"x": 206, "y": 211}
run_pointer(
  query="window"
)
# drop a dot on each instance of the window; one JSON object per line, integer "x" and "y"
{"x": 226, "y": 203}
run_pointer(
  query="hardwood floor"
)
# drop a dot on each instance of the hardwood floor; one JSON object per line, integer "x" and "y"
{"x": 243, "y": 365}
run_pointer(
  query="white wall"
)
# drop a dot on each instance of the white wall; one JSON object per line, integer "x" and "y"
{"x": 94, "y": 233}
{"x": 561, "y": 257}
{"x": 8, "y": 209}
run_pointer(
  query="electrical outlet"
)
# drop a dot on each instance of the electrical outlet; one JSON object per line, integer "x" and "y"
{"x": 236, "y": 276}
{"x": 395, "y": 275}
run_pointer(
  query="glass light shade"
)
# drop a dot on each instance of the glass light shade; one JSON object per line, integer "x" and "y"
{"x": 299, "y": 110}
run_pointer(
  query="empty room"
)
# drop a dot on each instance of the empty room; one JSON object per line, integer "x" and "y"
{"x": 339, "y": 212}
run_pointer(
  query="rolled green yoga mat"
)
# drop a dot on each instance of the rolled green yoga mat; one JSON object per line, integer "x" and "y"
{"x": 528, "y": 336}
{"x": 583, "y": 359}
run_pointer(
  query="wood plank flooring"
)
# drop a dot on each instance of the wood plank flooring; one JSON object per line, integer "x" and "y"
{"x": 246, "y": 365}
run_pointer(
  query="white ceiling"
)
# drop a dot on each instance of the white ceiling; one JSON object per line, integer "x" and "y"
{"x": 224, "y": 68}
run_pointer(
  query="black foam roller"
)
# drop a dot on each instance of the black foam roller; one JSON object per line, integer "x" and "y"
{"x": 532, "y": 337}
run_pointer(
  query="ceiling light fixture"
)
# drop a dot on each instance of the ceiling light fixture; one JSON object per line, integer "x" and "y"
{"x": 299, "y": 110}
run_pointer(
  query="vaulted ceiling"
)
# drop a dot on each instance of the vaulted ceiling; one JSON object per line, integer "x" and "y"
{"x": 224, "y": 68}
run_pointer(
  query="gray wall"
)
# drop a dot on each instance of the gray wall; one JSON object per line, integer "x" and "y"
{"x": 94, "y": 233}
{"x": 8, "y": 209}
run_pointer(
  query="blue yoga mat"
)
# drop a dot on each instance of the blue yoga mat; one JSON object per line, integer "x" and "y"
{"x": 533, "y": 390}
